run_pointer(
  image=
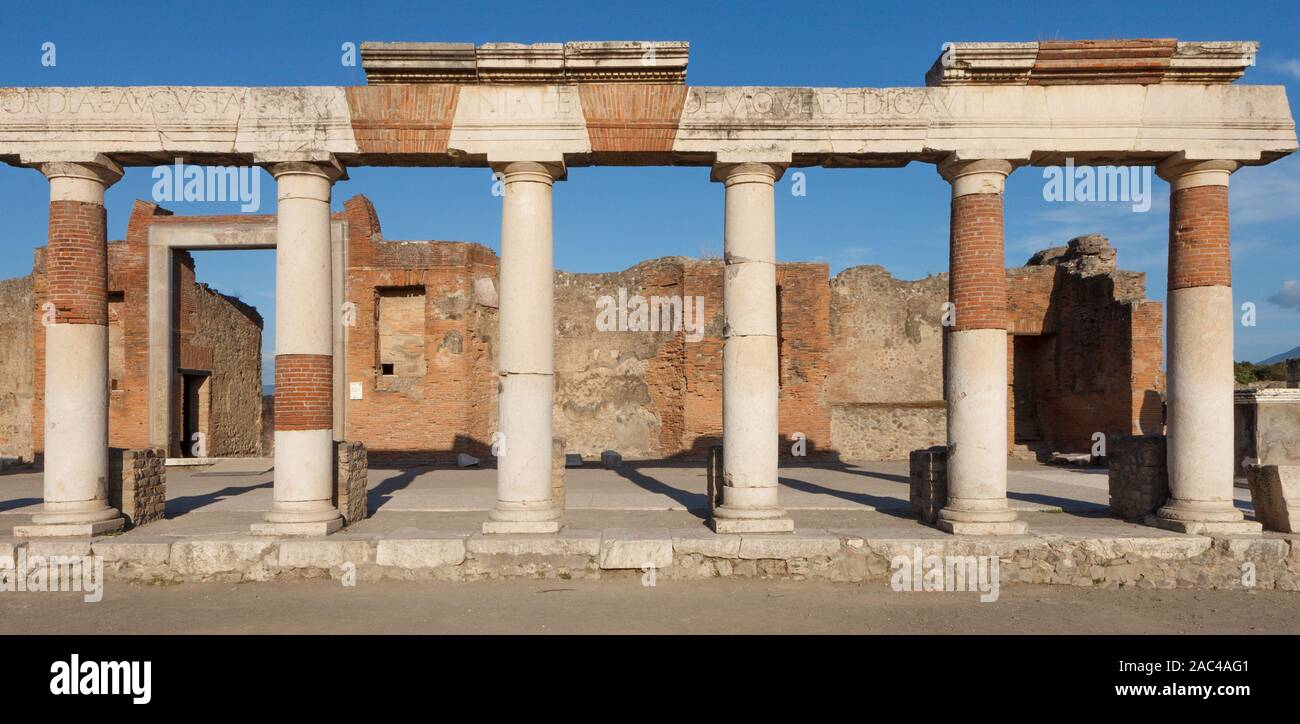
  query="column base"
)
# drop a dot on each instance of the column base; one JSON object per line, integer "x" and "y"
{"x": 315, "y": 528}
{"x": 1206, "y": 527}
{"x": 513, "y": 518}
{"x": 69, "y": 530}
{"x": 967, "y": 527}
{"x": 972, "y": 520}
{"x": 727, "y": 519}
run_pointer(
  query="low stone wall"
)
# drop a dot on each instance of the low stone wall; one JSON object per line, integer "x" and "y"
{"x": 886, "y": 431}
{"x": 1182, "y": 561}
{"x": 557, "y": 472}
{"x": 1139, "y": 478}
{"x": 929, "y": 481}
{"x": 352, "y": 481}
{"x": 137, "y": 484}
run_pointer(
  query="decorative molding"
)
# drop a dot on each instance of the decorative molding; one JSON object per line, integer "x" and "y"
{"x": 613, "y": 61}
{"x": 1143, "y": 61}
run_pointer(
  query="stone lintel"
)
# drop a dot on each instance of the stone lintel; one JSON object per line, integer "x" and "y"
{"x": 1143, "y": 61}
{"x": 614, "y": 61}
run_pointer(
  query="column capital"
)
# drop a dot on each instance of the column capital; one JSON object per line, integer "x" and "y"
{"x": 78, "y": 165}
{"x": 748, "y": 172}
{"x": 1184, "y": 173}
{"x": 325, "y": 165}
{"x": 540, "y": 171}
{"x": 977, "y": 175}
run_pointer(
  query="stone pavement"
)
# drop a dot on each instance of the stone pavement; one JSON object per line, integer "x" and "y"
{"x": 852, "y": 522}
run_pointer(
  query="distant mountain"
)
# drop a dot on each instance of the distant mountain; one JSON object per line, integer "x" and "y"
{"x": 1281, "y": 357}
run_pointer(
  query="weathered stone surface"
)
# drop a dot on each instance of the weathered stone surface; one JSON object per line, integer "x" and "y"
{"x": 420, "y": 552}
{"x": 147, "y": 554}
{"x": 623, "y": 548}
{"x": 712, "y": 545}
{"x": 200, "y": 558}
{"x": 325, "y": 553}
{"x": 1139, "y": 478}
{"x": 804, "y": 544}
{"x": 1275, "y": 493}
{"x": 352, "y": 481}
{"x": 568, "y": 543}
{"x": 929, "y": 483}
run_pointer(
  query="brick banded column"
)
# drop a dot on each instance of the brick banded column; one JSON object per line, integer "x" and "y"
{"x": 975, "y": 377}
{"x": 304, "y": 348}
{"x": 527, "y": 352}
{"x": 750, "y": 376}
{"x": 1200, "y": 376}
{"x": 76, "y": 353}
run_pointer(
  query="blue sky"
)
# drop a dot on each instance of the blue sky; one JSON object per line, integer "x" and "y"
{"x": 610, "y": 218}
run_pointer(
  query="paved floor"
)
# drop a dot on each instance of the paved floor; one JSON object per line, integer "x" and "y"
{"x": 224, "y": 499}
{"x": 625, "y": 606}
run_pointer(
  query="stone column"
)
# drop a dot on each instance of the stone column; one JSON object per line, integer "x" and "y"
{"x": 750, "y": 378}
{"x": 527, "y": 353}
{"x": 975, "y": 374}
{"x": 304, "y": 349}
{"x": 76, "y": 352}
{"x": 1199, "y": 336}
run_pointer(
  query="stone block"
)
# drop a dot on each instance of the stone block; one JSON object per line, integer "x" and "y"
{"x": 324, "y": 553}
{"x": 58, "y": 548}
{"x": 751, "y": 525}
{"x": 805, "y": 544}
{"x": 699, "y": 542}
{"x": 1138, "y": 476}
{"x": 610, "y": 460}
{"x": 636, "y": 549}
{"x": 1275, "y": 492}
{"x": 352, "y": 481}
{"x": 207, "y": 557}
{"x": 572, "y": 460}
{"x": 299, "y": 530}
{"x": 570, "y": 543}
{"x": 155, "y": 553}
{"x": 420, "y": 552}
{"x": 466, "y": 461}
{"x": 929, "y": 482}
{"x": 138, "y": 484}
{"x": 521, "y": 527}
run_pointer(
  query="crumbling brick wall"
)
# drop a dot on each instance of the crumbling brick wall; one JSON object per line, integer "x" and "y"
{"x": 214, "y": 334}
{"x": 16, "y": 363}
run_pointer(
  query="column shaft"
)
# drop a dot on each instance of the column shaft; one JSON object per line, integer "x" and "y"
{"x": 1199, "y": 335}
{"x": 975, "y": 374}
{"x": 750, "y": 374}
{"x": 527, "y": 354}
{"x": 76, "y": 354}
{"x": 304, "y": 333}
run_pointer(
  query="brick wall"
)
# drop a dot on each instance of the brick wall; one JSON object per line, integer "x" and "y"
{"x": 214, "y": 334}
{"x": 138, "y": 484}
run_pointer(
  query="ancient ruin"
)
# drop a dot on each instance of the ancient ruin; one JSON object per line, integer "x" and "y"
{"x": 1035, "y": 358}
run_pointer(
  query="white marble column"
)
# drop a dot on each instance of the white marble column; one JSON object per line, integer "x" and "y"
{"x": 750, "y": 377}
{"x": 975, "y": 373}
{"x": 75, "y": 314}
{"x": 1199, "y": 335}
{"x": 526, "y": 353}
{"x": 304, "y": 347}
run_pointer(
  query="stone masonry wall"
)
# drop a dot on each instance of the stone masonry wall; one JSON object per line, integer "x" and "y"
{"x": 138, "y": 484}
{"x": 16, "y": 361}
{"x": 232, "y": 330}
{"x": 351, "y": 481}
{"x": 1139, "y": 479}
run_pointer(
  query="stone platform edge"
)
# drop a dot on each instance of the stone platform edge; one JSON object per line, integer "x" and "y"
{"x": 1183, "y": 561}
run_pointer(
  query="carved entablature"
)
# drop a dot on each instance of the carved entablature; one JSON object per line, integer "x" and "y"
{"x": 614, "y": 61}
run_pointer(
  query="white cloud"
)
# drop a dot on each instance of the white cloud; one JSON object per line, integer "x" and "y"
{"x": 1288, "y": 297}
{"x": 1286, "y": 66}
